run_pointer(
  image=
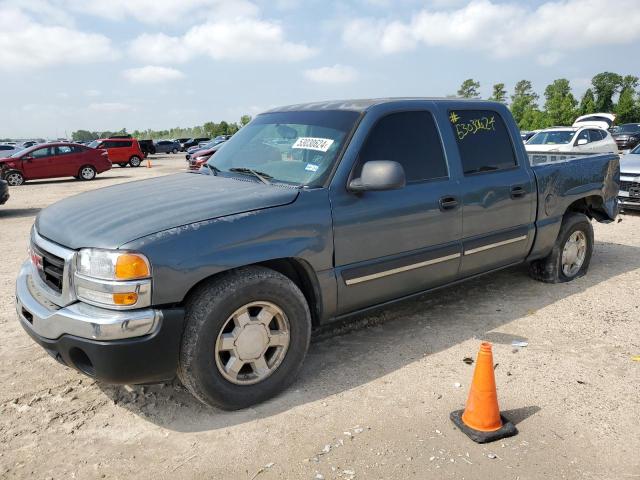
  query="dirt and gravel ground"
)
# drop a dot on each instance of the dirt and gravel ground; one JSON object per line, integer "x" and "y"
{"x": 372, "y": 401}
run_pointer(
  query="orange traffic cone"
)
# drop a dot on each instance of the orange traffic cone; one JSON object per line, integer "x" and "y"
{"x": 481, "y": 419}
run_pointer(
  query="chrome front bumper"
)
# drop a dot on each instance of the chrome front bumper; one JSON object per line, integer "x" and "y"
{"x": 79, "y": 319}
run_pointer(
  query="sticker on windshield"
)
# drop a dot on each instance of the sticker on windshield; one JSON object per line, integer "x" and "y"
{"x": 311, "y": 167}
{"x": 312, "y": 143}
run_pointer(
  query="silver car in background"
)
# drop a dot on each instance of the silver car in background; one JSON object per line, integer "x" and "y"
{"x": 630, "y": 180}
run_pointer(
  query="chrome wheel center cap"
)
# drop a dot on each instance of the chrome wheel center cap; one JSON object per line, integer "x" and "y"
{"x": 251, "y": 342}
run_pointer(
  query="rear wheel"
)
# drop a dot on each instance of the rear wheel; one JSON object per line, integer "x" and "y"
{"x": 246, "y": 336}
{"x": 135, "y": 161}
{"x": 87, "y": 173}
{"x": 14, "y": 178}
{"x": 571, "y": 254}
{"x": 174, "y": 151}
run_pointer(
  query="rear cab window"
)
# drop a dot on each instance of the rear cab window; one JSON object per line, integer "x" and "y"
{"x": 410, "y": 138}
{"x": 483, "y": 141}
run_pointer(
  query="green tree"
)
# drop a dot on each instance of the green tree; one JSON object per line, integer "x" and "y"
{"x": 588, "y": 103}
{"x": 499, "y": 93}
{"x": 560, "y": 104}
{"x": 627, "y": 108}
{"x": 244, "y": 119}
{"x": 83, "y": 136}
{"x": 534, "y": 119}
{"x": 523, "y": 102}
{"x": 605, "y": 86}
{"x": 469, "y": 89}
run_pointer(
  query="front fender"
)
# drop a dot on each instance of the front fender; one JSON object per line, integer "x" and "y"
{"x": 183, "y": 256}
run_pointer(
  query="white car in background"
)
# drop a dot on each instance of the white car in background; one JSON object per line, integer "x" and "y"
{"x": 585, "y": 139}
{"x": 7, "y": 150}
{"x": 601, "y": 120}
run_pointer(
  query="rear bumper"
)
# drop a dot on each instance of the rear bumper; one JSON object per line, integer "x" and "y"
{"x": 629, "y": 203}
{"x": 122, "y": 347}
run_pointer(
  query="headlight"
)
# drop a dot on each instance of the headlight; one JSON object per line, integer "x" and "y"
{"x": 114, "y": 279}
{"x": 112, "y": 265}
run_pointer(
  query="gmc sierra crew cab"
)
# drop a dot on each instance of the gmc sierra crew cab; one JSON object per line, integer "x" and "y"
{"x": 310, "y": 213}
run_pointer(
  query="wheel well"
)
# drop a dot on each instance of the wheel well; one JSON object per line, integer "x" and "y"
{"x": 299, "y": 272}
{"x": 591, "y": 206}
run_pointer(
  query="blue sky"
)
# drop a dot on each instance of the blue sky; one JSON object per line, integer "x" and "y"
{"x": 100, "y": 65}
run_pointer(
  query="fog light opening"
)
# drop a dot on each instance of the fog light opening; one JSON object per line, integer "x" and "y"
{"x": 81, "y": 361}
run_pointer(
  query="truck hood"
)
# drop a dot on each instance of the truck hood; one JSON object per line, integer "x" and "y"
{"x": 110, "y": 217}
{"x": 630, "y": 165}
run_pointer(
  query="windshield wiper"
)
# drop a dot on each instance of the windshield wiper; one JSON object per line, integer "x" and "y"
{"x": 213, "y": 169}
{"x": 263, "y": 177}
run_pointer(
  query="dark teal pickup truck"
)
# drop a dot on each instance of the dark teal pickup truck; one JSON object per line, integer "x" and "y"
{"x": 308, "y": 214}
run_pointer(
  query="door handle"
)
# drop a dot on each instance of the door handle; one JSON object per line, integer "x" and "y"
{"x": 448, "y": 203}
{"x": 517, "y": 192}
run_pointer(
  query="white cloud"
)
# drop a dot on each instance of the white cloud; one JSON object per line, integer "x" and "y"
{"x": 241, "y": 39}
{"x": 152, "y": 74}
{"x": 332, "y": 75}
{"x": 162, "y": 11}
{"x": 92, "y": 92}
{"x": 25, "y": 43}
{"x": 503, "y": 30}
{"x": 111, "y": 107}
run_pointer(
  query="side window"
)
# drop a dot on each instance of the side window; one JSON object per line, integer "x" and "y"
{"x": 584, "y": 135}
{"x": 64, "y": 150}
{"x": 596, "y": 135}
{"x": 483, "y": 141}
{"x": 125, "y": 144}
{"x": 6, "y": 147}
{"x": 42, "y": 152}
{"x": 412, "y": 140}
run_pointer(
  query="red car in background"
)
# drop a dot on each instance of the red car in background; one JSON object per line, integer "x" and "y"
{"x": 54, "y": 160}
{"x": 196, "y": 161}
{"x": 122, "y": 150}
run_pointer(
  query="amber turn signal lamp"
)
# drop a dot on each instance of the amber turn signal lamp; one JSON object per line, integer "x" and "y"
{"x": 130, "y": 266}
{"x": 125, "y": 298}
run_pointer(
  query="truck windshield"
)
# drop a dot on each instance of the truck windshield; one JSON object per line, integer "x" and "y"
{"x": 554, "y": 137}
{"x": 629, "y": 128}
{"x": 298, "y": 148}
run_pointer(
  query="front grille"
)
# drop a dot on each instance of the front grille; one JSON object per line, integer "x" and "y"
{"x": 625, "y": 185}
{"x": 52, "y": 269}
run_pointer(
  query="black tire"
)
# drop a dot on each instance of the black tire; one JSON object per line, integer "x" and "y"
{"x": 207, "y": 311}
{"x": 87, "y": 173}
{"x": 123, "y": 165}
{"x": 135, "y": 161}
{"x": 549, "y": 269}
{"x": 174, "y": 151}
{"x": 14, "y": 178}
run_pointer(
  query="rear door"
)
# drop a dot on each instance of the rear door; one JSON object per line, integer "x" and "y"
{"x": 393, "y": 243}
{"x": 67, "y": 159}
{"x": 498, "y": 193}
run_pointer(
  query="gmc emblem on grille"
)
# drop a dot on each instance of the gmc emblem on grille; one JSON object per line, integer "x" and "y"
{"x": 37, "y": 261}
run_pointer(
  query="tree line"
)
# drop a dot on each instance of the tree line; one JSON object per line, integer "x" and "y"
{"x": 609, "y": 93}
{"x": 208, "y": 129}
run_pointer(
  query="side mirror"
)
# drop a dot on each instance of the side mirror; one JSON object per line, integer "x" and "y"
{"x": 583, "y": 141}
{"x": 379, "y": 175}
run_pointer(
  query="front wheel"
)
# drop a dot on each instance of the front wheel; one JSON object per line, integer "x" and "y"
{"x": 135, "y": 161}
{"x": 14, "y": 178}
{"x": 246, "y": 336}
{"x": 571, "y": 254}
{"x": 174, "y": 151}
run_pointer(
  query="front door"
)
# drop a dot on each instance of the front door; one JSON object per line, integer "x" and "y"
{"x": 67, "y": 160}
{"x": 394, "y": 243}
{"x": 499, "y": 194}
{"x": 39, "y": 163}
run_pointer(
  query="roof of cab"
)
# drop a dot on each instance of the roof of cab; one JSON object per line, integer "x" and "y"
{"x": 361, "y": 105}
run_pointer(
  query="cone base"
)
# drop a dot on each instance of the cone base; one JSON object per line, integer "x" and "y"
{"x": 508, "y": 429}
